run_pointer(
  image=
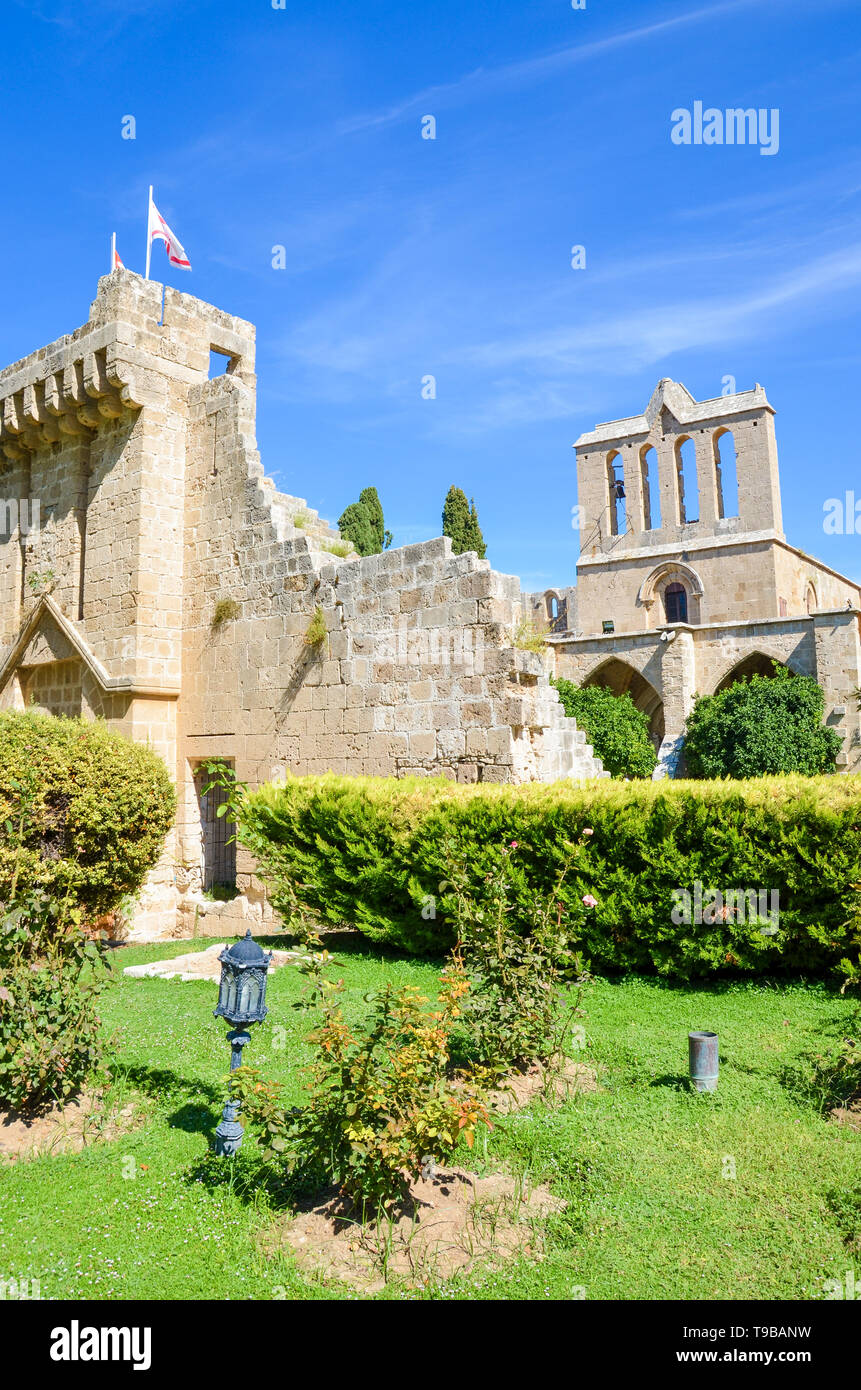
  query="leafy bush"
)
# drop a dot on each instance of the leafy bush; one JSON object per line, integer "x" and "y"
{"x": 616, "y": 729}
{"x": 760, "y": 727}
{"x": 226, "y": 611}
{"x": 83, "y": 811}
{"x": 50, "y": 977}
{"x": 381, "y": 1105}
{"x": 374, "y": 852}
{"x": 519, "y": 962}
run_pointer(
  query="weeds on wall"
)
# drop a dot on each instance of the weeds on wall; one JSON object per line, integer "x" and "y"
{"x": 226, "y": 611}
{"x": 316, "y": 631}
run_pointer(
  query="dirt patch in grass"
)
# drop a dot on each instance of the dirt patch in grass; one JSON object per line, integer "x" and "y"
{"x": 64, "y": 1128}
{"x": 849, "y": 1114}
{"x": 447, "y": 1224}
{"x": 560, "y": 1081}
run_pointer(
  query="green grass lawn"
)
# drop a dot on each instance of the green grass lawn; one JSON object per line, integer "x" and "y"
{"x": 646, "y": 1167}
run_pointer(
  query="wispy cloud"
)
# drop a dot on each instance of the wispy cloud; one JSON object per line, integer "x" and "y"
{"x": 482, "y": 81}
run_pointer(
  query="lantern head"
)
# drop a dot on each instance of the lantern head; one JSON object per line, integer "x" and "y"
{"x": 242, "y": 993}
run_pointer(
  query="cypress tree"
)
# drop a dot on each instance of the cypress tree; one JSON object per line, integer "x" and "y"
{"x": 455, "y": 519}
{"x": 460, "y": 522}
{"x": 369, "y": 498}
{"x": 475, "y": 539}
{"x": 356, "y": 525}
{"x": 363, "y": 524}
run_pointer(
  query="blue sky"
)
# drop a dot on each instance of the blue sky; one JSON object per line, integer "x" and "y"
{"x": 451, "y": 257}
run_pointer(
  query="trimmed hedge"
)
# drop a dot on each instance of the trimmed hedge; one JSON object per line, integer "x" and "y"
{"x": 88, "y": 808}
{"x": 373, "y": 853}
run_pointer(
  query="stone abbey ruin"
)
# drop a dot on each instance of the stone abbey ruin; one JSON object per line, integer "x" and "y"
{"x": 170, "y": 589}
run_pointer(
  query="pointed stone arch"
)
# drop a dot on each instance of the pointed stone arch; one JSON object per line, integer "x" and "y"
{"x": 756, "y": 663}
{"x": 623, "y": 679}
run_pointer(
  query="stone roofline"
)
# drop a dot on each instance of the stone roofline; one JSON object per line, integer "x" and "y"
{"x": 106, "y": 309}
{"x": 119, "y": 360}
{"x": 653, "y": 634}
{"x": 684, "y": 408}
{"x": 671, "y": 551}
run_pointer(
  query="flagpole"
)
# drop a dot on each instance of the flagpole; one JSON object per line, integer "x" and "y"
{"x": 113, "y": 251}
{"x": 148, "y": 239}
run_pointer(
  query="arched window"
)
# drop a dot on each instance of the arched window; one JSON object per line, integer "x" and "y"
{"x": 552, "y": 607}
{"x": 649, "y": 482}
{"x": 686, "y": 481}
{"x": 811, "y": 601}
{"x": 726, "y": 475}
{"x": 676, "y": 603}
{"x": 616, "y": 494}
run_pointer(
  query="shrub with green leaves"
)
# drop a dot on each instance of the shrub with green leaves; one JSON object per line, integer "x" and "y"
{"x": 381, "y": 1102}
{"x": 616, "y": 729}
{"x": 518, "y": 958}
{"x": 760, "y": 727}
{"x": 83, "y": 810}
{"x": 374, "y": 853}
{"x": 51, "y": 975}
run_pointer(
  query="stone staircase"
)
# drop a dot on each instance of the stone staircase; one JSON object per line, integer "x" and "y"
{"x": 293, "y": 519}
{"x": 548, "y": 745}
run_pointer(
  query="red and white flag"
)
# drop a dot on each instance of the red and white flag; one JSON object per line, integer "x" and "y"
{"x": 158, "y": 230}
{"x": 116, "y": 263}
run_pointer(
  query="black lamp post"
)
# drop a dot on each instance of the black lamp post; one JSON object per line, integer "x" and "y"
{"x": 242, "y": 1001}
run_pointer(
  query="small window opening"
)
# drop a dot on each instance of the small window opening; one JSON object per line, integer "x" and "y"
{"x": 218, "y": 857}
{"x": 221, "y": 363}
{"x": 676, "y": 603}
{"x": 686, "y": 475}
{"x": 616, "y": 490}
{"x": 651, "y": 499}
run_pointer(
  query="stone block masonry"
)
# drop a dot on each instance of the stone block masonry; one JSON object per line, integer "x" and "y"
{"x": 170, "y": 589}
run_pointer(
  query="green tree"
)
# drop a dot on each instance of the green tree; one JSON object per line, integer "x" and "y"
{"x": 363, "y": 524}
{"x": 369, "y": 498}
{"x": 460, "y": 523}
{"x": 616, "y": 729}
{"x": 474, "y": 537}
{"x": 763, "y": 726}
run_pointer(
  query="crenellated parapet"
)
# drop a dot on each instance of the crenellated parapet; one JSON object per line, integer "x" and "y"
{"x": 68, "y": 389}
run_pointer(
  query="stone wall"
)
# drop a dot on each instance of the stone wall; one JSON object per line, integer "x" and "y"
{"x": 170, "y": 587}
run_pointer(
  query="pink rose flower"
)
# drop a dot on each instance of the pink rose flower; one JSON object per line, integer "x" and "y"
{"x": 589, "y": 901}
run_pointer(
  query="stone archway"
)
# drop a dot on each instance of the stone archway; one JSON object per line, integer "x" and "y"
{"x": 622, "y": 679}
{"x": 756, "y": 664}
